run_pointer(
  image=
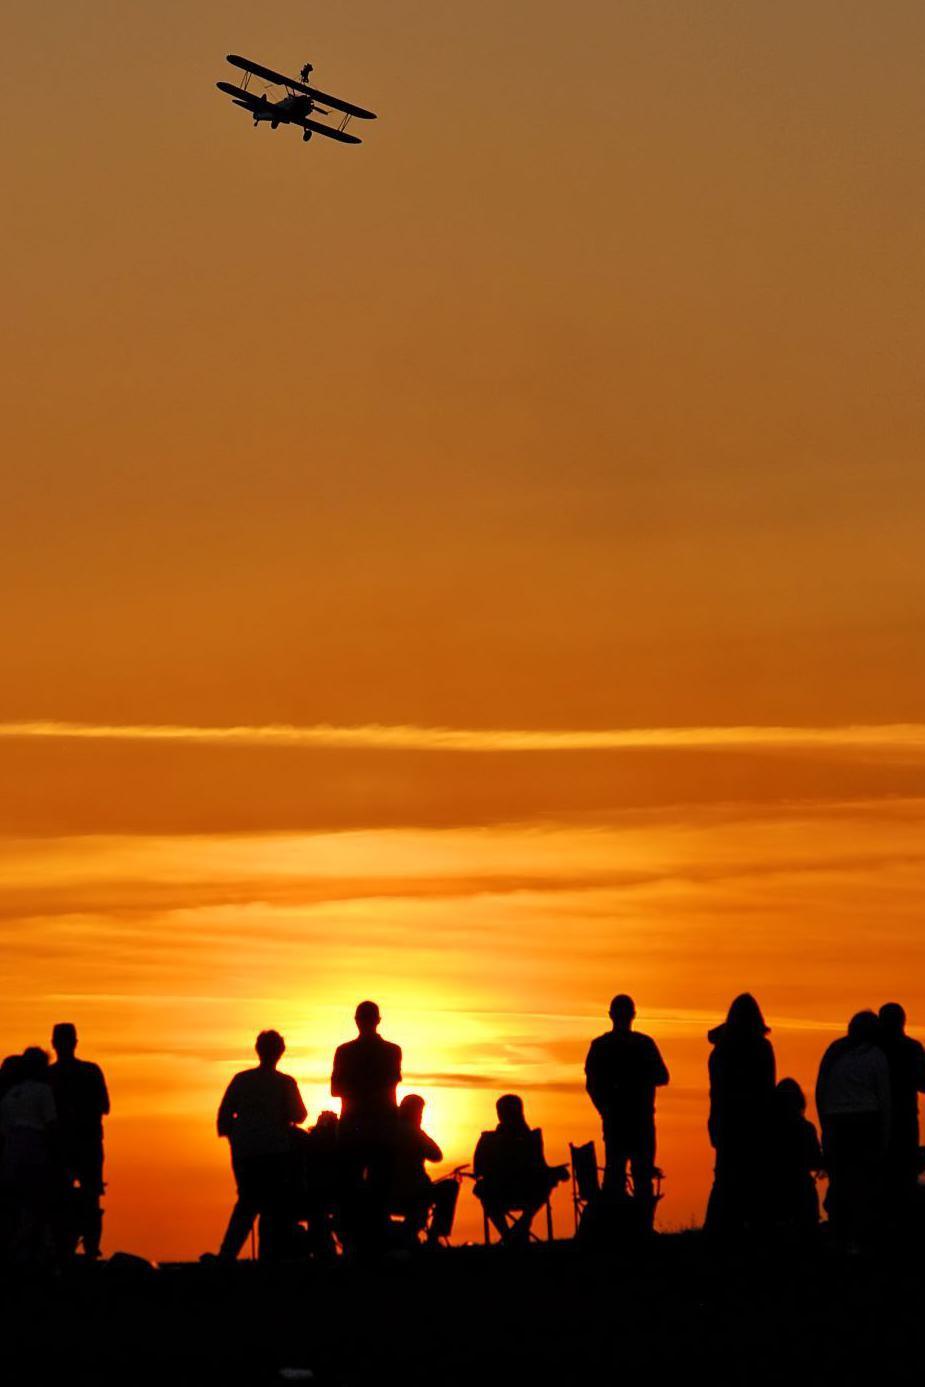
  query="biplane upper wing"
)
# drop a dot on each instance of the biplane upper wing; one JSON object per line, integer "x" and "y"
{"x": 266, "y": 73}
{"x": 339, "y": 105}
{"x": 269, "y": 75}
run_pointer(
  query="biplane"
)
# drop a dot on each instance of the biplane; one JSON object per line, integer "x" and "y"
{"x": 300, "y": 103}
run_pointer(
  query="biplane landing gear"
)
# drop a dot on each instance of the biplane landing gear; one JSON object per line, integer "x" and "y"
{"x": 306, "y": 135}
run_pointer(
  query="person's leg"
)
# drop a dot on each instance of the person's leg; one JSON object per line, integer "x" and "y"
{"x": 724, "y": 1218}
{"x": 869, "y": 1156}
{"x": 495, "y": 1212}
{"x": 519, "y": 1230}
{"x": 642, "y": 1166}
{"x": 847, "y": 1162}
{"x": 831, "y": 1155}
{"x": 901, "y": 1177}
{"x": 275, "y": 1198}
{"x": 243, "y": 1214}
{"x": 89, "y": 1173}
{"x": 67, "y": 1214}
{"x": 616, "y": 1156}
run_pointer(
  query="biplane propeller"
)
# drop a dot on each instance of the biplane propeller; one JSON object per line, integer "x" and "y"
{"x": 296, "y": 107}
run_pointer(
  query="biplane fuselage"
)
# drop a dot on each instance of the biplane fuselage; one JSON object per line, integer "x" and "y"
{"x": 290, "y": 111}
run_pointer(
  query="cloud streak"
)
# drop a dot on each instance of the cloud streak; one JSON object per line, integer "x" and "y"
{"x": 904, "y": 738}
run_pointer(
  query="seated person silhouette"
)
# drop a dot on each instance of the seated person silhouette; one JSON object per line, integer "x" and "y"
{"x": 511, "y": 1174}
{"x": 412, "y": 1192}
{"x": 317, "y": 1157}
{"x": 258, "y": 1115}
{"x": 795, "y": 1160}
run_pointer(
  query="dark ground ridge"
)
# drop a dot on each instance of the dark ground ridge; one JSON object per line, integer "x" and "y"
{"x": 676, "y": 1309}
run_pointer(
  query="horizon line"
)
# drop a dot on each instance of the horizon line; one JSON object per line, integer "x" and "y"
{"x": 909, "y": 737}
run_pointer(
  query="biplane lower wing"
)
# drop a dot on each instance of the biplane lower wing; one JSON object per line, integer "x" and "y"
{"x": 271, "y": 112}
{"x": 269, "y": 75}
{"x": 328, "y": 130}
{"x": 239, "y": 95}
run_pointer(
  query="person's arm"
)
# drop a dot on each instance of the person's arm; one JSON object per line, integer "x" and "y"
{"x": 713, "y": 1118}
{"x": 919, "y": 1069}
{"x": 430, "y": 1148}
{"x": 479, "y": 1163}
{"x": 102, "y": 1093}
{"x": 227, "y": 1111}
{"x": 660, "y": 1075}
{"x": 593, "y": 1079}
{"x": 397, "y": 1059}
{"x": 813, "y": 1149}
{"x": 337, "y": 1075}
{"x": 822, "y": 1084}
{"x": 297, "y": 1110}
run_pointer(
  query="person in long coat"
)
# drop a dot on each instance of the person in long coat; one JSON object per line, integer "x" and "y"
{"x": 742, "y": 1079}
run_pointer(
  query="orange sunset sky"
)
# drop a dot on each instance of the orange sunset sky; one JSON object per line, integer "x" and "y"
{"x": 480, "y": 570}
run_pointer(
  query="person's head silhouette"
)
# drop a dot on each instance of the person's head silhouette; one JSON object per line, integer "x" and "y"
{"x": 864, "y": 1028}
{"x": 510, "y": 1110}
{"x": 791, "y": 1100}
{"x": 892, "y": 1019}
{"x": 411, "y": 1109}
{"x": 33, "y": 1065}
{"x": 744, "y": 1018}
{"x": 367, "y": 1018}
{"x": 64, "y": 1040}
{"x": 622, "y": 1012}
{"x": 270, "y": 1048}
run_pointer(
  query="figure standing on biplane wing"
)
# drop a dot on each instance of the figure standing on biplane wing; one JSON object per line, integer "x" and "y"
{"x": 295, "y": 108}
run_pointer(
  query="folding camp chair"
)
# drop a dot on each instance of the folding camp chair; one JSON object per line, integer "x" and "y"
{"x": 443, "y": 1209}
{"x": 515, "y": 1208}
{"x": 586, "y": 1177}
{"x": 587, "y": 1187}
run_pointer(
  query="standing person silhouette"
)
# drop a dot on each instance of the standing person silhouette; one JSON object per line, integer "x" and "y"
{"x": 257, "y": 1115}
{"x": 81, "y": 1101}
{"x": 622, "y": 1071}
{"x": 366, "y": 1073}
{"x": 742, "y": 1080}
{"x": 854, "y": 1103}
{"x": 29, "y": 1163}
{"x": 365, "y": 1076}
{"x": 906, "y": 1059}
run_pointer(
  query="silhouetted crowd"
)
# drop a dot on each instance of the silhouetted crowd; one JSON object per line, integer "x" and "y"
{"x": 358, "y": 1182}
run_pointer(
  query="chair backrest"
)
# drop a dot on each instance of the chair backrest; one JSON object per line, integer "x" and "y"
{"x": 584, "y": 1169}
{"x": 444, "y": 1214}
